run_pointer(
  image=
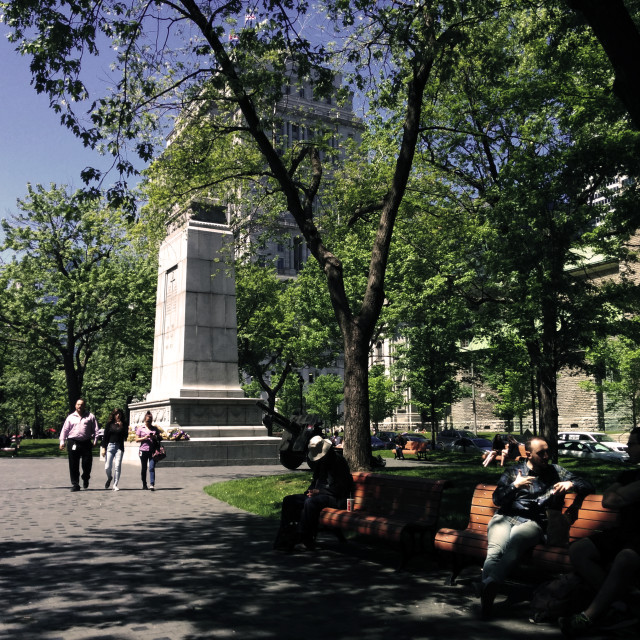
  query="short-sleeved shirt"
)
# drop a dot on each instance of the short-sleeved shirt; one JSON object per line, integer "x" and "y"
{"x": 143, "y": 431}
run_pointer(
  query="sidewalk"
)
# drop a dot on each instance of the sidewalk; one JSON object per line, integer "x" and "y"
{"x": 176, "y": 564}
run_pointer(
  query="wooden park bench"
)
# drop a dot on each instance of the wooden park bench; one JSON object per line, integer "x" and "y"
{"x": 391, "y": 508}
{"x": 585, "y": 513}
{"x": 412, "y": 447}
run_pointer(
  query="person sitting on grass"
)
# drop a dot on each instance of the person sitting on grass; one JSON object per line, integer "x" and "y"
{"x": 497, "y": 449}
{"x": 330, "y": 486}
{"x": 609, "y": 561}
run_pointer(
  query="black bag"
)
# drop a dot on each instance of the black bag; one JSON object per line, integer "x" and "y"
{"x": 159, "y": 454}
{"x": 562, "y": 596}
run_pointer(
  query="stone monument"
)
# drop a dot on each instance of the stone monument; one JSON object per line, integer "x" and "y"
{"x": 195, "y": 385}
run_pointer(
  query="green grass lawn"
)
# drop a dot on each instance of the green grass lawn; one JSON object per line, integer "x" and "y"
{"x": 45, "y": 448}
{"x": 263, "y": 495}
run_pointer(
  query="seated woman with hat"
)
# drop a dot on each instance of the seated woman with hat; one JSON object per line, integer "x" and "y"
{"x": 330, "y": 486}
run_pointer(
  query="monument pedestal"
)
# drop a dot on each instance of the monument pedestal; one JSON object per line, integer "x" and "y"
{"x": 222, "y": 432}
{"x": 195, "y": 385}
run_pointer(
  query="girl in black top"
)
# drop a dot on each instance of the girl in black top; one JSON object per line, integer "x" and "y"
{"x": 115, "y": 433}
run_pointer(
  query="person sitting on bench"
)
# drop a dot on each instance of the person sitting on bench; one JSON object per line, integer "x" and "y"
{"x": 330, "y": 486}
{"x": 524, "y": 493}
{"x": 617, "y": 549}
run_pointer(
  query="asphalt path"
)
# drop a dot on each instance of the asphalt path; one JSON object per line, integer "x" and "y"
{"x": 177, "y": 564}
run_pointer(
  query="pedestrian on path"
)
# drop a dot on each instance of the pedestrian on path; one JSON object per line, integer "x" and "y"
{"x": 149, "y": 436}
{"x": 115, "y": 433}
{"x": 80, "y": 434}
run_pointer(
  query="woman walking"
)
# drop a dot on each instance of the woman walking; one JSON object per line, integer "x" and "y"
{"x": 115, "y": 433}
{"x": 149, "y": 437}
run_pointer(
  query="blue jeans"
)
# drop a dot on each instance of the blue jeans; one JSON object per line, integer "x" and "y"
{"x": 145, "y": 457}
{"x": 113, "y": 461}
{"x": 508, "y": 539}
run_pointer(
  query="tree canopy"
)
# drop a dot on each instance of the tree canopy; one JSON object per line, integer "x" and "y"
{"x": 74, "y": 284}
{"x": 498, "y": 113}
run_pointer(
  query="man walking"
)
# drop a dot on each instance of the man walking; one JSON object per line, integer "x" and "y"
{"x": 524, "y": 493}
{"x": 80, "y": 431}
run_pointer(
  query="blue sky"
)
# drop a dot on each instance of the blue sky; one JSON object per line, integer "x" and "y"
{"x": 34, "y": 146}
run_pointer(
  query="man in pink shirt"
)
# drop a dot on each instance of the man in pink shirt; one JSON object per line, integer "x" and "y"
{"x": 80, "y": 431}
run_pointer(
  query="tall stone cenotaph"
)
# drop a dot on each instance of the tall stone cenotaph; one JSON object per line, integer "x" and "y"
{"x": 195, "y": 385}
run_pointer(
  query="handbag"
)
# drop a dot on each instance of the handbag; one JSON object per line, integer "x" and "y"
{"x": 159, "y": 454}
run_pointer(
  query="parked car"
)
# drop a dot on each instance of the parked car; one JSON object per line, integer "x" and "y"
{"x": 413, "y": 435}
{"x": 593, "y": 437}
{"x": 446, "y": 437}
{"x": 469, "y": 445}
{"x": 387, "y": 436}
{"x": 377, "y": 444}
{"x": 592, "y": 450}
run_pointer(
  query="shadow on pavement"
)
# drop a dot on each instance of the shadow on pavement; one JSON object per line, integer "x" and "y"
{"x": 199, "y": 578}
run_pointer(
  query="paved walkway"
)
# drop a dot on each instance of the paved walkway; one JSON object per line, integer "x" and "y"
{"x": 176, "y": 564}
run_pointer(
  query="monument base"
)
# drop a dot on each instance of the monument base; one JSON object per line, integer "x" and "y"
{"x": 223, "y": 432}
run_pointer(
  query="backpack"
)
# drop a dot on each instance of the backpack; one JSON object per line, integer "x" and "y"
{"x": 562, "y": 596}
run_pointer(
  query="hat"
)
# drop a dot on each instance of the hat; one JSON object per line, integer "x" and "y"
{"x": 318, "y": 448}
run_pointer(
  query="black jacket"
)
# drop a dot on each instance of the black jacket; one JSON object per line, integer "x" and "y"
{"x": 331, "y": 476}
{"x": 532, "y": 501}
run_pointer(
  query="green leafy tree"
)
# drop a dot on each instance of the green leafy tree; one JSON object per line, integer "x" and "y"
{"x": 282, "y": 326}
{"x": 615, "y": 24}
{"x": 290, "y": 398}
{"x": 507, "y": 371}
{"x": 74, "y": 284}
{"x": 427, "y": 288}
{"x": 27, "y": 386}
{"x": 533, "y": 160}
{"x": 179, "y": 55}
{"x": 384, "y": 399}
{"x": 619, "y": 358}
{"x": 324, "y": 397}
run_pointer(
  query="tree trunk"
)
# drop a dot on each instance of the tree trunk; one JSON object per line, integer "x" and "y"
{"x": 600, "y": 401}
{"x": 357, "y": 440}
{"x": 620, "y": 39}
{"x": 533, "y": 406}
{"x": 548, "y": 394}
{"x": 74, "y": 383}
{"x": 434, "y": 425}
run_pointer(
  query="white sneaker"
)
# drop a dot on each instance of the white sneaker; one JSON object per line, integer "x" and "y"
{"x": 116, "y": 487}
